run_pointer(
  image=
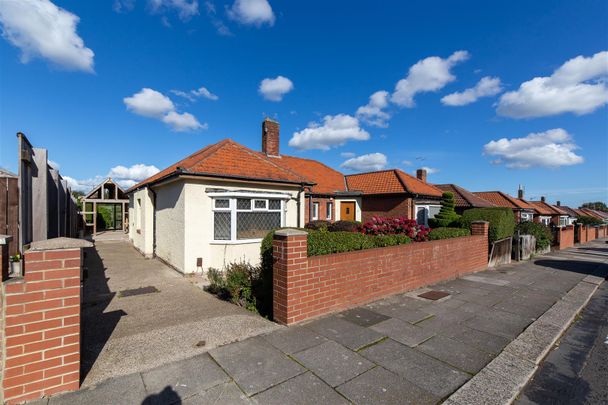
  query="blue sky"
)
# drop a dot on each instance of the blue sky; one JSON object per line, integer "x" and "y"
{"x": 73, "y": 74}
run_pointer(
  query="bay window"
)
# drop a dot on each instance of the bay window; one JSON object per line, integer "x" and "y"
{"x": 242, "y": 217}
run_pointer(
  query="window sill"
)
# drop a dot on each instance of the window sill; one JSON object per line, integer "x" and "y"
{"x": 235, "y": 242}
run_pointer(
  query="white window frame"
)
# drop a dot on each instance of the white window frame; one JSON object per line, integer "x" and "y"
{"x": 545, "y": 220}
{"x": 137, "y": 214}
{"x": 563, "y": 220}
{"x": 232, "y": 198}
{"x": 329, "y": 207}
{"x": 315, "y": 211}
{"x": 526, "y": 217}
{"x": 427, "y": 211}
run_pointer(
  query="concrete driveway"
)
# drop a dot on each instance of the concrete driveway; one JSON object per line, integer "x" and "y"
{"x": 130, "y": 327}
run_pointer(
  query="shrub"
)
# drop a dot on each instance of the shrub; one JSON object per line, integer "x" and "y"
{"x": 502, "y": 221}
{"x": 318, "y": 225}
{"x": 541, "y": 232}
{"x": 447, "y": 233}
{"x": 391, "y": 240}
{"x": 395, "y": 226}
{"x": 446, "y": 217}
{"x": 237, "y": 284}
{"x": 344, "y": 226}
{"x": 588, "y": 220}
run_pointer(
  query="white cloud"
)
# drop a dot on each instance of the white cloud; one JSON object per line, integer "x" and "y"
{"x": 149, "y": 103}
{"x": 84, "y": 185}
{"x": 552, "y": 148}
{"x": 54, "y": 164}
{"x": 252, "y": 12}
{"x": 366, "y": 163}
{"x": 407, "y": 162}
{"x": 123, "y": 6}
{"x": 578, "y": 86}
{"x": 153, "y": 104}
{"x": 373, "y": 113}
{"x": 486, "y": 87}
{"x": 275, "y": 89}
{"x": 193, "y": 94}
{"x": 182, "y": 122}
{"x": 429, "y": 170}
{"x": 347, "y": 154}
{"x": 429, "y": 74}
{"x": 41, "y": 29}
{"x": 185, "y": 9}
{"x": 334, "y": 131}
{"x": 219, "y": 25}
{"x": 136, "y": 172}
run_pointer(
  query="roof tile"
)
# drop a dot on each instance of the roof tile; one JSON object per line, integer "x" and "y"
{"x": 392, "y": 181}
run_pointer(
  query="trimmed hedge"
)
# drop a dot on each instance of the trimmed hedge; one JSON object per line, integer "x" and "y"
{"x": 542, "y": 233}
{"x": 448, "y": 233}
{"x": 446, "y": 217}
{"x": 344, "y": 226}
{"x": 318, "y": 225}
{"x": 588, "y": 220}
{"x": 502, "y": 221}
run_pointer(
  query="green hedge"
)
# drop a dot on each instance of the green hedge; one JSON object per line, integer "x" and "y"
{"x": 502, "y": 221}
{"x": 588, "y": 220}
{"x": 447, "y": 233}
{"x": 541, "y": 232}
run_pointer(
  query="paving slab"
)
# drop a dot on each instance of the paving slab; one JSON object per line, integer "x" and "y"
{"x": 404, "y": 332}
{"x": 186, "y": 377}
{"x": 224, "y": 394}
{"x": 294, "y": 339}
{"x": 432, "y": 375}
{"x": 534, "y": 343}
{"x": 344, "y": 332}
{"x": 411, "y": 315}
{"x": 481, "y": 340}
{"x": 457, "y": 354}
{"x": 362, "y": 316}
{"x": 125, "y": 390}
{"x": 255, "y": 364}
{"x": 499, "y": 323}
{"x": 301, "y": 390}
{"x": 379, "y": 386}
{"x": 333, "y": 363}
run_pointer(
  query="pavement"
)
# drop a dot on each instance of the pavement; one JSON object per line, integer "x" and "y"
{"x": 576, "y": 369}
{"x": 139, "y": 314}
{"x": 403, "y": 349}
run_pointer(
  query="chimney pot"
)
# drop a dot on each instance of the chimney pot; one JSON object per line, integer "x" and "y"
{"x": 270, "y": 137}
{"x": 520, "y": 193}
{"x": 542, "y": 198}
{"x": 421, "y": 175}
{"x": 559, "y": 203}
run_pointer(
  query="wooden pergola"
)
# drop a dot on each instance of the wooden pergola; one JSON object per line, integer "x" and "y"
{"x": 108, "y": 193}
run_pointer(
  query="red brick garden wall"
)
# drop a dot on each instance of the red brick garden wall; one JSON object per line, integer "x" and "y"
{"x": 565, "y": 236}
{"x": 41, "y": 322}
{"x": 306, "y": 287}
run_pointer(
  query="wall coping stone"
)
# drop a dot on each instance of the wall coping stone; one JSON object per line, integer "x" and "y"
{"x": 5, "y": 239}
{"x": 290, "y": 232}
{"x": 59, "y": 243}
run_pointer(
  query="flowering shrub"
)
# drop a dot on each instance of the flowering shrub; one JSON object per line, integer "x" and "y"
{"x": 396, "y": 226}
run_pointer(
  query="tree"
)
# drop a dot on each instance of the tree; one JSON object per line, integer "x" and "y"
{"x": 446, "y": 216}
{"x": 598, "y": 205}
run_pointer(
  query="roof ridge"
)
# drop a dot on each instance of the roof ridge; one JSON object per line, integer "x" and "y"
{"x": 403, "y": 184}
{"x": 207, "y": 151}
{"x": 263, "y": 158}
{"x": 315, "y": 161}
{"x": 375, "y": 171}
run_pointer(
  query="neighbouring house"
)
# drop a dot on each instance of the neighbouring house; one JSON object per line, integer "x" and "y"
{"x": 572, "y": 215}
{"x": 464, "y": 199}
{"x": 522, "y": 210}
{"x": 215, "y": 206}
{"x": 109, "y": 197}
{"x": 393, "y": 193}
{"x": 601, "y": 215}
{"x": 549, "y": 214}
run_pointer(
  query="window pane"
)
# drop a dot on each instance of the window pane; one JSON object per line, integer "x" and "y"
{"x": 330, "y": 208}
{"x": 223, "y": 203}
{"x": 421, "y": 216}
{"x": 221, "y": 225}
{"x": 260, "y": 204}
{"x": 254, "y": 225}
{"x": 274, "y": 204}
{"x": 243, "y": 204}
{"x": 434, "y": 210}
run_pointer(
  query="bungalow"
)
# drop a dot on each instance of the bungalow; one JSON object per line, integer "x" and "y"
{"x": 464, "y": 199}
{"x": 572, "y": 215}
{"x": 215, "y": 206}
{"x": 603, "y": 216}
{"x": 549, "y": 214}
{"x": 392, "y": 193}
{"x": 522, "y": 210}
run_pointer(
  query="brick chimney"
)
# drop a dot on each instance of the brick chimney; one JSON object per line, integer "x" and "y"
{"x": 421, "y": 175}
{"x": 520, "y": 192}
{"x": 558, "y": 203}
{"x": 542, "y": 198}
{"x": 270, "y": 137}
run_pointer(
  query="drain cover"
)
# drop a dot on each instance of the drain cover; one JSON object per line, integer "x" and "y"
{"x": 434, "y": 295}
{"x": 138, "y": 291}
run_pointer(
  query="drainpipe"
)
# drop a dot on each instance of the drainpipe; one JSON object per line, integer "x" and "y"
{"x": 299, "y": 205}
{"x": 310, "y": 207}
{"x": 153, "y": 222}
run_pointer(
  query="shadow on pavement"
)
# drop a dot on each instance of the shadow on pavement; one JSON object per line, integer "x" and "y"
{"x": 97, "y": 325}
{"x": 576, "y": 266}
{"x": 167, "y": 396}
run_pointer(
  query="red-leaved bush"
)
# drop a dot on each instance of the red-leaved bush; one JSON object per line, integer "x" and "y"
{"x": 395, "y": 226}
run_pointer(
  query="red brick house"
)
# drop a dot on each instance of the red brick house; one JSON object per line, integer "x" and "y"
{"x": 522, "y": 210}
{"x": 392, "y": 193}
{"x": 464, "y": 199}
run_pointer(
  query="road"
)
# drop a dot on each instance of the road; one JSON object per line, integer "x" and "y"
{"x": 576, "y": 371}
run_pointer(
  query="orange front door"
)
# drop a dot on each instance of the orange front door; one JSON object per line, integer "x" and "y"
{"x": 347, "y": 211}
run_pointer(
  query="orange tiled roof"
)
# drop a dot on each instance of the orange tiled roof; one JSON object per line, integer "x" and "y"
{"x": 570, "y": 211}
{"x": 464, "y": 198}
{"x": 546, "y": 209}
{"x": 392, "y": 181}
{"x": 500, "y": 199}
{"x": 328, "y": 180}
{"x": 232, "y": 160}
{"x": 592, "y": 213}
